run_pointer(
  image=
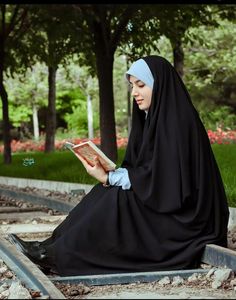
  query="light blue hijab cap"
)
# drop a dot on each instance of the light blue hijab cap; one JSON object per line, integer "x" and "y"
{"x": 140, "y": 70}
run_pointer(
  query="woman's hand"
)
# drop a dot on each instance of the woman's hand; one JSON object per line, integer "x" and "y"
{"x": 96, "y": 171}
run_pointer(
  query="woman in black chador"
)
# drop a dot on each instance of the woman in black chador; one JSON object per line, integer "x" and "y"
{"x": 161, "y": 207}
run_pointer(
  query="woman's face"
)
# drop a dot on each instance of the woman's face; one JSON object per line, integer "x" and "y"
{"x": 141, "y": 92}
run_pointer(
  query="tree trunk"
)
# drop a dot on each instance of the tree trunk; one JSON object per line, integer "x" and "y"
{"x": 106, "y": 103}
{"x": 35, "y": 122}
{"x": 129, "y": 117}
{"x": 178, "y": 54}
{"x": 6, "y": 121}
{"x": 6, "y": 126}
{"x": 105, "y": 39}
{"x": 5, "y": 107}
{"x": 51, "y": 111}
{"x": 104, "y": 53}
{"x": 90, "y": 117}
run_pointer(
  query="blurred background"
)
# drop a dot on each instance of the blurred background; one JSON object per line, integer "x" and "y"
{"x": 62, "y": 72}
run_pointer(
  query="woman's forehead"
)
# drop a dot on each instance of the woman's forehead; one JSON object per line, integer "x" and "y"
{"x": 133, "y": 79}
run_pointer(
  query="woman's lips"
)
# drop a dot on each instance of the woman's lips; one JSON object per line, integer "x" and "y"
{"x": 139, "y": 101}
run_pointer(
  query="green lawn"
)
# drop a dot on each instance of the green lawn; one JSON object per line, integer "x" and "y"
{"x": 226, "y": 158}
{"x": 59, "y": 166}
{"x": 64, "y": 166}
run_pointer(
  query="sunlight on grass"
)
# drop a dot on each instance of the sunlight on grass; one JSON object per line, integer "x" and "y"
{"x": 226, "y": 158}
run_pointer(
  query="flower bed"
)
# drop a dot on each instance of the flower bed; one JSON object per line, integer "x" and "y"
{"x": 219, "y": 136}
{"x": 31, "y": 145}
{"x": 222, "y": 137}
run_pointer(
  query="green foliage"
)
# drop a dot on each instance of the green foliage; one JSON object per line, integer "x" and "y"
{"x": 77, "y": 120}
{"x": 209, "y": 58}
{"x": 217, "y": 117}
{"x": 174, "y": 20}
{"x": 31, "y": 88}
{"x": 73, "y": 104}
{"x": 26, "y": 90}
{"x": 101, "y": 26}
{"x": 50, "y": 34}
{"x": 19, "y": 114}
{"x": 67, "y": 100}
{"x": 210, "y": 65}
{"x": 120, "y": 88}
{"x": 77, "y": 85}
{"x": 135, "y": 42}
{"x": 14, "y": 25}
{"x": 165, "y": 48}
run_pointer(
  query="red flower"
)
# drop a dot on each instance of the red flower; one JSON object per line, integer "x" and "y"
{"x": 219, "y": 136}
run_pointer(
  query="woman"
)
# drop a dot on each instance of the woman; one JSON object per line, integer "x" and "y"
{"x": 165, "y": 203}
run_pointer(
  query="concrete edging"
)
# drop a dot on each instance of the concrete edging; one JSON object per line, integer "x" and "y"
{"x": 59, "y": 186}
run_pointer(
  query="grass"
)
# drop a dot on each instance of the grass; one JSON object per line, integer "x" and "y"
{"x": 58, "y": 166}
{"x": 226, "y": 158}
{"x": 64, "y": 166}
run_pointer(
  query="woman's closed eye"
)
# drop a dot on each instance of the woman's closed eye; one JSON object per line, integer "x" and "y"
{"x": 139, "y": 85}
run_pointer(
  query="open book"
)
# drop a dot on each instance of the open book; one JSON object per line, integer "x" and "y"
{"x": 88, "y": 150}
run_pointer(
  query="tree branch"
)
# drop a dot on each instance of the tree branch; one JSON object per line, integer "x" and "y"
{"x": 3, "y": 10}
{"x": 18, "y": 32}
{"x": 126, "y": 16}
{"x": 103, "y": 25}
{"x": 12, "y": 21}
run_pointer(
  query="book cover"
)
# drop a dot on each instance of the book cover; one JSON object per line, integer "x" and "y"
{"x": 88, "y": 150}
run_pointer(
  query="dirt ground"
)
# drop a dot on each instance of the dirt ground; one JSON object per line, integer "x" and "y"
{"x": 197, "y": 290}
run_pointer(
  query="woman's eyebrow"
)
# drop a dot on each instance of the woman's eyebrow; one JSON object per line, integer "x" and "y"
{"x": 136, "y": 81}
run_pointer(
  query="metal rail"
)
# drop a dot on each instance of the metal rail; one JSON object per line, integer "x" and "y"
{"x": 213, "y": 255}
{"x": 39, "y": 200}
{"x": 27, "y": 271}
{"x": 126, "y": 278}
{"x": 219, "y": 257}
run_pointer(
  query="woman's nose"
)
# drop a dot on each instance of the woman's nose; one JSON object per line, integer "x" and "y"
{"x": 134, "y": 92}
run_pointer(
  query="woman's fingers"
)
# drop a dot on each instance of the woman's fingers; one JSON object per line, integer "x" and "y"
{"x": 96, "y": 171}
{"x": 84, "y": 162}
{"x": 98, "y": 162}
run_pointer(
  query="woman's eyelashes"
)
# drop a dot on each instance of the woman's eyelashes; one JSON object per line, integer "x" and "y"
{"x": 140, "y": 85}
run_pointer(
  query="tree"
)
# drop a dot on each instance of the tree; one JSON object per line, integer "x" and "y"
{"x": 103, "y": 26}
{"x": 87, "y": 84}
{"x": 174, "y": 20}
{"x": 13, "y": 25}
{"x": 27, "y": 93}
{"x": 136, "y": 43}
{"x": 81, "y": 77}
{"x": 211, "y": 63}
{"x": 51, "y": 42}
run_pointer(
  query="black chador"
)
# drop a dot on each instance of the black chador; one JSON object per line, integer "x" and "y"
{"x": 176, "y": 204}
